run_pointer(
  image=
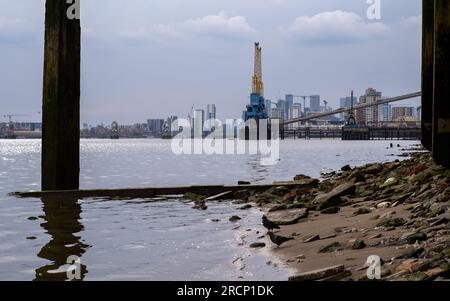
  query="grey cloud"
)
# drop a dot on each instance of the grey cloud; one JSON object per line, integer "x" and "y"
{"x": 334, "y": 27}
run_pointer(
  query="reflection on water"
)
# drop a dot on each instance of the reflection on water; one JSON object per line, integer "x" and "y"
{"x": 62, "y": 223}
{"x": 258, "y": 172}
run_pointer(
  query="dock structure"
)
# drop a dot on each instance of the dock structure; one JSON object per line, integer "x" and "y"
{"x": 427, "y": 72}
{"x": 441, "y": 86}
{"x": 61, "y": 99}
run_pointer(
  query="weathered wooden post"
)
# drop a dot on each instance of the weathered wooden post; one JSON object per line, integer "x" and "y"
{"x": 441, "y": 95}
{"x": 61, "y": 98}
{"x": 427, "y": 71}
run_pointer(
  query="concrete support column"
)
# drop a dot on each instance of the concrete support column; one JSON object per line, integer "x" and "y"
{"x": 441, "y": 95}
{"x": 61, "y": 99}
{"x": 427, "y": 71}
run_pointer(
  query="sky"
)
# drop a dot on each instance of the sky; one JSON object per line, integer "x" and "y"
{"x": 151, "y": 59}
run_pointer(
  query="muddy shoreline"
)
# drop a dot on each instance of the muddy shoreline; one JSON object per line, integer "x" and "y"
{"x": 396, "y": 211}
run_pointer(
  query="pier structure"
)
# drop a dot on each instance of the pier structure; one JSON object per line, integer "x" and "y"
{"x": 440, "y": 112}
{"x": 61, "y": 99}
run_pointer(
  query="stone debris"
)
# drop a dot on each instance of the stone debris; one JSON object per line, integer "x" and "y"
{"x": 418, "y": 229}
{"x": 318, "y": 274}
{"x": 287, "y": 217}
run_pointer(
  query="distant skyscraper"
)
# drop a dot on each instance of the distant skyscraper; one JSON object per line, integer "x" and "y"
{"x": 211, "y": 111}
{"x": 155, "y": 127}
{"x": 210, "y": 116}
{"x": 295, "y": 111}
{"x": 384, "y": 114}
{"x": 404, "y": 111}
{"x": 371, "y": 113}
{"x": 198, "y": 122}
{"x": 314, "y": 103}
{"x": 288, "y": 102}
{"x": 277, "y": 113}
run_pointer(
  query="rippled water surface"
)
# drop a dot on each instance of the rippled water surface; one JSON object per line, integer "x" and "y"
{"x": 151, "y": 239}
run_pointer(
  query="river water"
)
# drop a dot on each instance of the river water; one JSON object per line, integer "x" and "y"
{"x": 155, "y": 239}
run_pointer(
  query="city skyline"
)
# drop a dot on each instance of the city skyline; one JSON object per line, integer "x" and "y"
{"x": 158, "y": 65}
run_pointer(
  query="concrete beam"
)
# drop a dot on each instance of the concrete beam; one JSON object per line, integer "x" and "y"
{"x": 427, "y": 71}
{"x": 441, "y": 95}
{"x": 61, "y": 99}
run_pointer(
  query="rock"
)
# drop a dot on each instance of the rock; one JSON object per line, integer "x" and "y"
{"x": 312, "y": 238}
{"x": 387, "y": 214}
{"x": 357, "y": 176}
{"x": 300, "y": 257}
{"x": 301, "y": 177}
{"x": 242, "y": 194}
{"x": 335, "y": 246}
{"x": 278, "y": 191}
{"x": 328, "y": 236}
{"x": 361, "y": 211}
{"x": 264, "y": 198}
{"x": 244, "y": 183}
{"x": 418, "y": 276}
{"x": 200, "y": 206}
{"x": 234, "y": 218}
{"x": 391, "y": 222}
{"x": 331, "y": 210}
{"x": 193, "y": 196}
{"x": 373, "y": 169}
{"x": 440, "y": 221}
{"x": 277, "y": 207}
{"x": 245, "y": 207}
{"x": 318, "y": 274}
{"x": 287, "y": 217}
{"x": 412, "y": 253}
{"x": 418, "y": 169}
{"x": 437, "y": 211}
{"x": 346, "y": 168}
{"x": 390, "y": 182}
{"x": 412, "y": 238}
{"x": 358, "y": 244}
{"x": 383, "y": 205}
{"x": 375, "y": 236}
{"x": 257, "y": 245}
{"x": 333, "y": 198}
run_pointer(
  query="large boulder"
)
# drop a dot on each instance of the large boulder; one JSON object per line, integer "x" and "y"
{"x": 333, "y": 198}
{"x": 287, "y": 217}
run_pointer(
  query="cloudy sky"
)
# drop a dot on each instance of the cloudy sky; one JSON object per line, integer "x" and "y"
{"x": 149, "y": 59}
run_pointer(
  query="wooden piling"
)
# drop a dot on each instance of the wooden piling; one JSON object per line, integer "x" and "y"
{"x": 61, "y": 99}
{"x": 441, "y": 95}
{"x": 427, "y": 71}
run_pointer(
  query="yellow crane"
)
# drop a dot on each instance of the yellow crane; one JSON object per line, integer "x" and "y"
{"x": 258, "y": 86}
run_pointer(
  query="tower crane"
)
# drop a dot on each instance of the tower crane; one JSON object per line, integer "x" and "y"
{"x": 10, "y": 116}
